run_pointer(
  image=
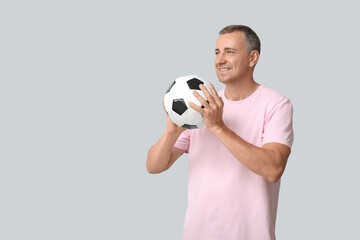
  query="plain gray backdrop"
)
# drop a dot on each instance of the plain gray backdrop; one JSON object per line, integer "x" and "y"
{"x": 81, "y": 94}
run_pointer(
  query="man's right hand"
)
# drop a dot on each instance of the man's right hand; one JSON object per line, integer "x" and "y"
{"x": 170, "y": 126}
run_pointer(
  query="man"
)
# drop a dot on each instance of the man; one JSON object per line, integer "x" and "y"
{"x": 237, "y": 160}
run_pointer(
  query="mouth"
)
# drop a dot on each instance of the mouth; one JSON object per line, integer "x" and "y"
{"x": 224, "y": 69}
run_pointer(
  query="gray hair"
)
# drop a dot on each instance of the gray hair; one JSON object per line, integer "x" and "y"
{"x": 252, "y": 40}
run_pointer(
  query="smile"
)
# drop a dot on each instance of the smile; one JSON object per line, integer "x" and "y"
{"x": 224, "y": 69}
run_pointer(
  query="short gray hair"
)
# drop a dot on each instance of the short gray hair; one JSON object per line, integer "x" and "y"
{"x": 251, "y": 38}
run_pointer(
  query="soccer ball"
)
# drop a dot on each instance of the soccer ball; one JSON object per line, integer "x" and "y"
{"x": 177, "y": 99}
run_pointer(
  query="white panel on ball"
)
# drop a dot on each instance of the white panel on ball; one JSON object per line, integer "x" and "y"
{"x": 174, "y": 117}
{"x": 168, "y": 101}
{"x": 193, "y": 116}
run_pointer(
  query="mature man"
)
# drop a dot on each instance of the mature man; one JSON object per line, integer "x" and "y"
{"x": 237, "y": 160}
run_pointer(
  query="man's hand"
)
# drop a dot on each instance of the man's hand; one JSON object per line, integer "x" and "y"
{"x": 170, "y": 126}
{"x": 212, "y": 110}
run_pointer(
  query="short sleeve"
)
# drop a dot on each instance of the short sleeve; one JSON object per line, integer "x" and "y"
{"x": 278, "y": 125}
{"x": 183, "y": 142}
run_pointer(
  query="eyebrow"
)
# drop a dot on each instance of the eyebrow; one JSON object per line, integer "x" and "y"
{"x": 227, "y": 48}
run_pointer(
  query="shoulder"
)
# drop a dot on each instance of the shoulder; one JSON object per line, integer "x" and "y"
{"x": 272, "y": 101}
{"x": 270, "y": 94}
{"x": 271, "y": 97}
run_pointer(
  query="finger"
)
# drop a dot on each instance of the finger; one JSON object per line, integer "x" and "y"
{"x": 222, "y": 101}
{"x": 196, "y": 107}
{"x": 215, "y": 95}
{"x": 201, "y": 99}
{"x": 207, "y": 93}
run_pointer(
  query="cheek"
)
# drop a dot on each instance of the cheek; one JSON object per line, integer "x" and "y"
{"x": 240, "y": 64}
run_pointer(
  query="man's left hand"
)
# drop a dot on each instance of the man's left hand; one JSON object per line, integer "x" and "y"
{"x": 212, "y": 110}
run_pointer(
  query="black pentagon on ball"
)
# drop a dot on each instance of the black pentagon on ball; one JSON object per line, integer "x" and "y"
{"x": 170, "y": 87}
{"x": 189, "y": 126}
{"x": 194, "y": 83}
{"x": 179, "y": 106}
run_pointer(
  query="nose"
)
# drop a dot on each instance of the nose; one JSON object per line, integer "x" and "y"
{"x": 220, "y": 59}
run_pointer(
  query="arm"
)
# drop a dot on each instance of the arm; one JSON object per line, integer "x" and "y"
{"x": 268, "y": 161}
{"x": 163, "y": 154}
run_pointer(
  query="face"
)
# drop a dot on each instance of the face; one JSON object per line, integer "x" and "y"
{"x": 232, "y": 61}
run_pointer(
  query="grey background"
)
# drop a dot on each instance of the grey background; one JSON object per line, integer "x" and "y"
{"x": 80, "y": 98}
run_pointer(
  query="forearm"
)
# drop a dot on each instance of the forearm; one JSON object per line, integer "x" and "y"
{"x": 160, "y": 153}
{"x": 262, "y": 161}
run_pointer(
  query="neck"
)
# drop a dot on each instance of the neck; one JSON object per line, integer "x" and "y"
{"x": 241, "y": 89}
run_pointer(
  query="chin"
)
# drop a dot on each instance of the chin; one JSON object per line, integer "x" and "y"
{"x": 223, "y": 80}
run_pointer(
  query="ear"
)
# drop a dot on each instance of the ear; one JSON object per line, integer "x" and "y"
{"x": 254, "y": 58}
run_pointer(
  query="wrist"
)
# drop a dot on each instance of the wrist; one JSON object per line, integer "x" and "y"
{"x": 218, "y": 129}
{"x": 172, "y": 131}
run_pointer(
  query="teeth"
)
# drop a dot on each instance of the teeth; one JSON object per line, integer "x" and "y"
{"x": 223, "y": 69}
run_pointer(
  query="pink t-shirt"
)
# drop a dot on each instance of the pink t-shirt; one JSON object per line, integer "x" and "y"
{"x": 225, "y": 199}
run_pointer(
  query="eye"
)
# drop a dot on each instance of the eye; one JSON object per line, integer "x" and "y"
{"x": 217, "y": 52}
{"x": 230, "y": 52}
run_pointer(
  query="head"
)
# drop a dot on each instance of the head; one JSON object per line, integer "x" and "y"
{"x": 237, "y": 52}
